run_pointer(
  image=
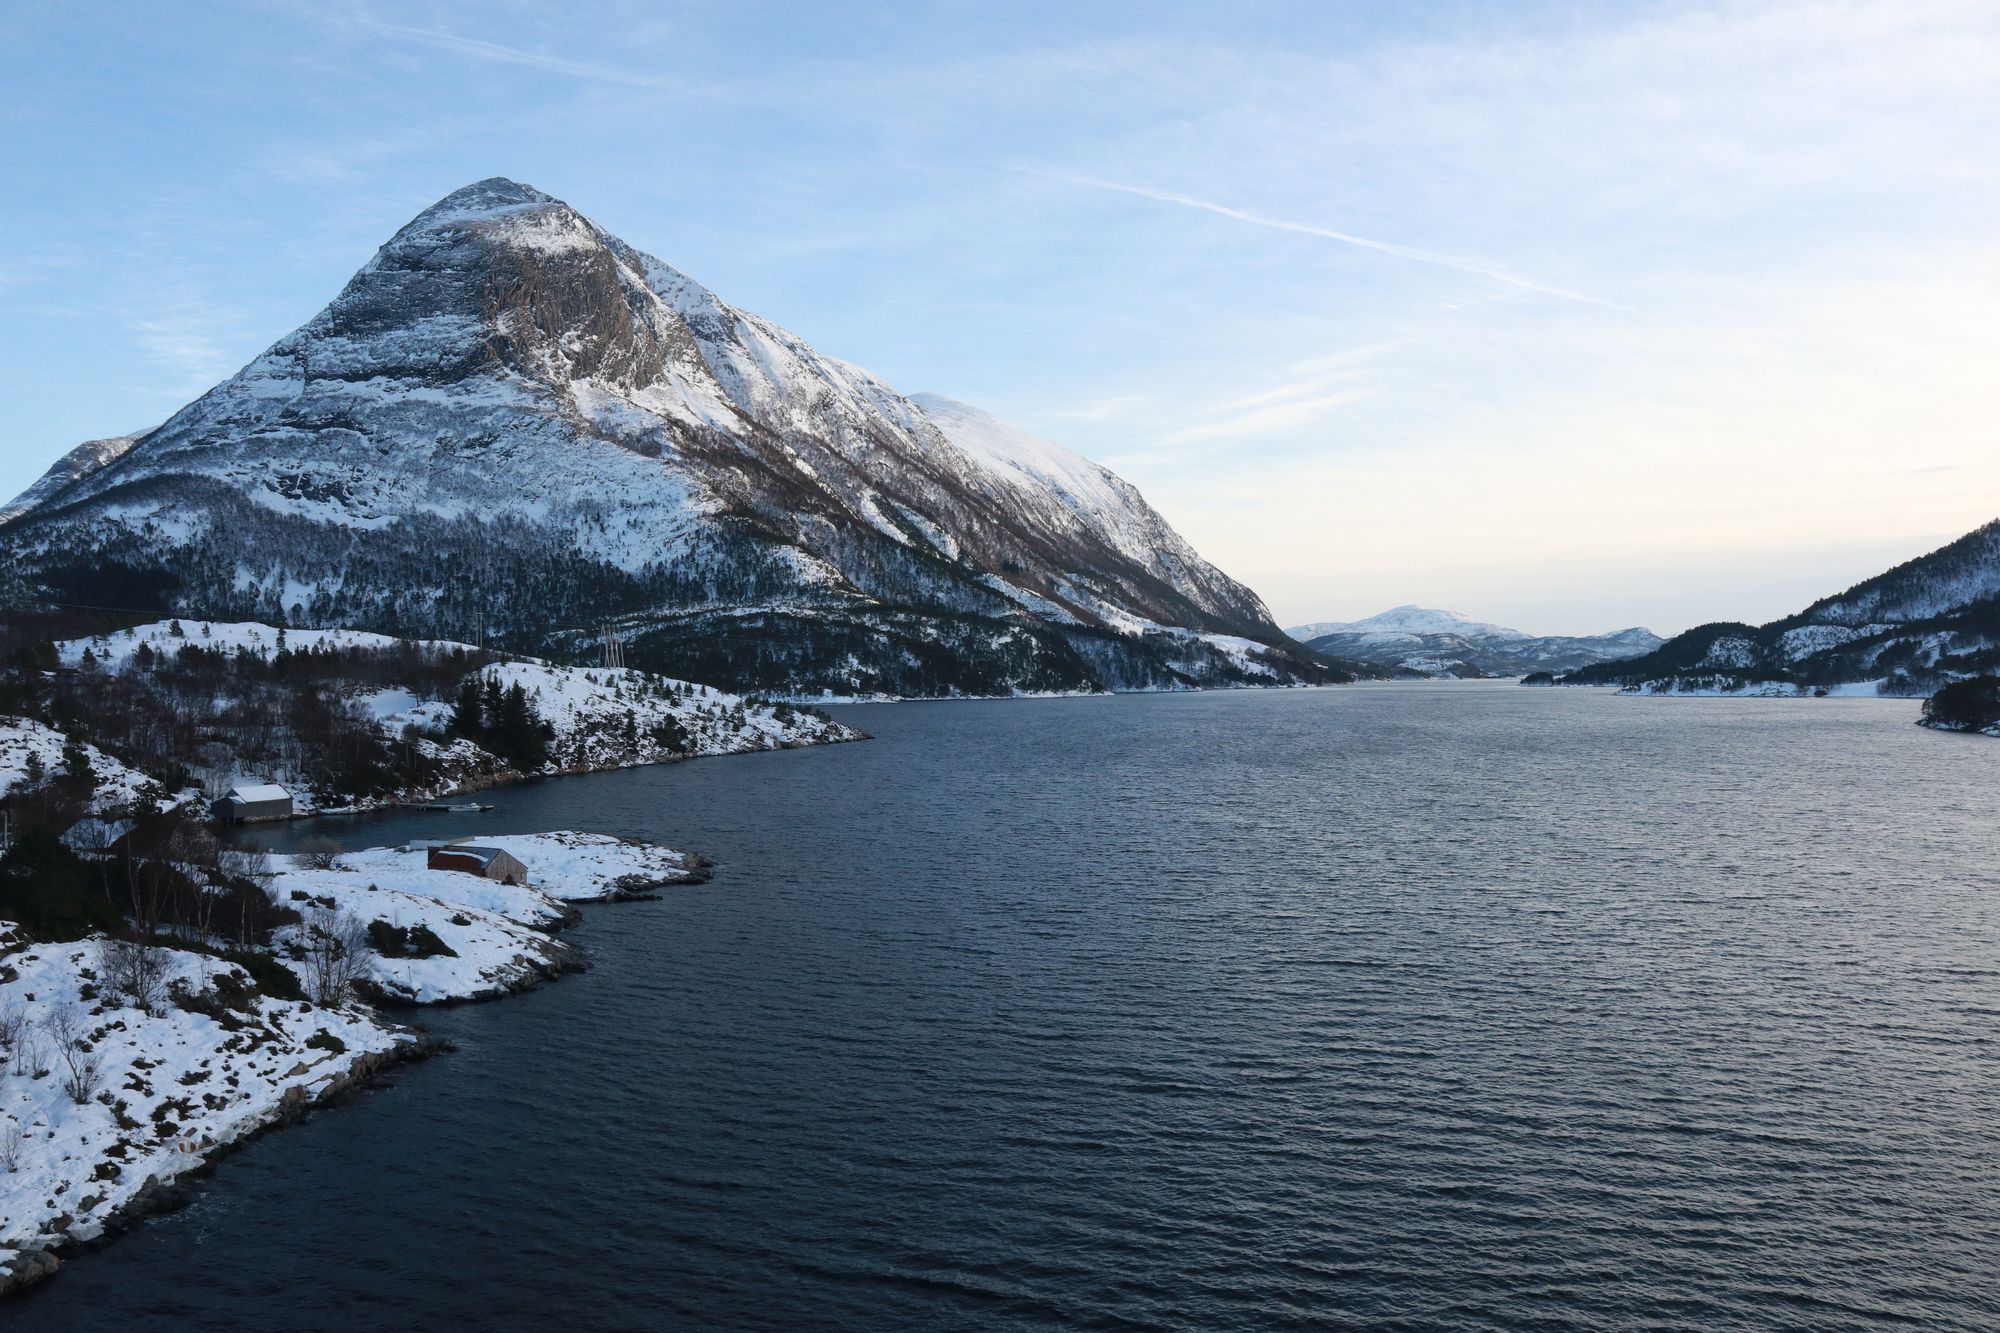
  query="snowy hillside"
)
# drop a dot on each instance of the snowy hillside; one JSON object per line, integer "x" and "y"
{"x": 83, "y": 461}
{"x": 1422, "y": 641}
{"x": 32, "y": 751}
{"x": 616, "y": 717}
{"x": 115, "y": 651}
{"x": 108, "y": 1096}
{"x": 512, "y": 427}
{"x": 210, "y": 1065}
{"x": 1408, "y": 620}
{"x": 597, "y": 718}
{"x": 1919, "y": 626}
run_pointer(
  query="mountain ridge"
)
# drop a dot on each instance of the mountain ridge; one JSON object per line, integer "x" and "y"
{"x": 1424, "y": 641}
{"x": 1919, "y": 625}
{"x": 511, "y": 422}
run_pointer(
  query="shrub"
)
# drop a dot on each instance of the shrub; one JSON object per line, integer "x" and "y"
{"x": 319, "y": 853}
{"x": 337, "y": 954}
{"x": 135, "y": 970}
{"x": 418, "y": 941}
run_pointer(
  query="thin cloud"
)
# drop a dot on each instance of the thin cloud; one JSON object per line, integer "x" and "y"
{"x": 1463, "y": 265}
{"x": 1259, "y": 420}
{"x": 1115, "y": 407}
{"x": 480, "y": 49}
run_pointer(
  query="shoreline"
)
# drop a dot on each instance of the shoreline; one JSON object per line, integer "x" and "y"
{"x": 160, "y": 1195}
{"x": 577, "y": 869}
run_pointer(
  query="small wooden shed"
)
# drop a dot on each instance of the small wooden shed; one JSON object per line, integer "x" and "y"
{"x": 494, "y": 863}
{"x": 254, "y": 800}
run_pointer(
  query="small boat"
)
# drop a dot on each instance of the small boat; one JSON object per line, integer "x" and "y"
{"x": 468, "y": 808}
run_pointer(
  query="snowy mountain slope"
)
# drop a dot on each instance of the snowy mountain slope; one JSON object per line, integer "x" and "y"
{"x": 115, "y": 651}
{"x": 1443, "y": 643}
{"x": 597, "y": 718}
{"x": 1412, "y": 620}
{"x": 1924, "y": 623}
{"x": 87, "y": 458}
{"x": 1953, "y": 576}
{"x": 31, "y": 751}
{"x": 619, "y": 717}
{"x": 510, "y": 420}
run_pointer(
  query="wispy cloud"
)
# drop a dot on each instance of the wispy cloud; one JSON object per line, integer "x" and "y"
{"x": 477, "y": 48}
{"x": 24, "y": 270}
{"x": 190, "y": 341}
{"x": 1263, "y": 418}
{"x": 1110, "y": 408}
{"x": 343, "y": 162}
{"x": 1463, "y": 265}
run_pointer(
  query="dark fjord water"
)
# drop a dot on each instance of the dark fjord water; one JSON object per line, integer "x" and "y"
{"x": 1455, "y": 1007}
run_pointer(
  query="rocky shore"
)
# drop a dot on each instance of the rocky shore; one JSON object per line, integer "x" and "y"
{"x": 110, "y": 1105}
{"x": 166, "y": 1194}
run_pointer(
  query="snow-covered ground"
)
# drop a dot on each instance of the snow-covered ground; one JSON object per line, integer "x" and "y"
{"x": 214, "y": 1061}
{"x": 590, "y": 707}
{"x": 464, "y": 937}
{"x": 212, "y": 1064}
{"x": 117, "y": 785}
{"x": 260, "y": 640}
{"x": 601, "y": 717}
{"x": 1731, "y": 687}
{"x": 593, "y": 867}
{"x": 469, "y": 939}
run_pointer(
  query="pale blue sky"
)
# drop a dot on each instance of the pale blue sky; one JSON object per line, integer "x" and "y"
{"x": 1568, "y": 316}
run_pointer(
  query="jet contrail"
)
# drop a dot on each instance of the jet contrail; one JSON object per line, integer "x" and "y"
{"x": 1327, "y": 233}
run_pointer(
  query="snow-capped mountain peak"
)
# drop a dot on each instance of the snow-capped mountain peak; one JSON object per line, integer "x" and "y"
{"x": 510, "y": 419}
{"x": 1424, "y": 641}
{"x": 1409, "y": 619}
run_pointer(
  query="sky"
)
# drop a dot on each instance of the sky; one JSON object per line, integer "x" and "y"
{"x": 1565, "y": 316}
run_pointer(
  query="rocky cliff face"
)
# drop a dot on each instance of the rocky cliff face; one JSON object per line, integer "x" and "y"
{"x": 512, "y": 423}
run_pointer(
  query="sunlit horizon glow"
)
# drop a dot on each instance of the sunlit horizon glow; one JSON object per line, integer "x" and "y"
{"x": 1567, "y": 319}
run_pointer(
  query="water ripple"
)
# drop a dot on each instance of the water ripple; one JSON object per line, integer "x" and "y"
{"x": 1439, "y": 1008}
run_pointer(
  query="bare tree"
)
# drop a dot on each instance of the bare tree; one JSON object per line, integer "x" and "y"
{"x": 255, "y": 866}
{"x": 13, "y": 1020}
{"x": 11, "y": 1137}
{"x": 136, "y": 970}
{"x": 319, "y": 853}
{"x": 194, "y": 851}
{"x": 337, "y": 955}
{"x": 31, "y": 1052}
{"x": 81, "y": 1075}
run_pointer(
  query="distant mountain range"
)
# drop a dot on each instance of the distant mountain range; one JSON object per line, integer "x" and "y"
{"x": 1919, "y": 626}
{"x": 512, "y": 426}
{"x": 1416, "y": 640}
